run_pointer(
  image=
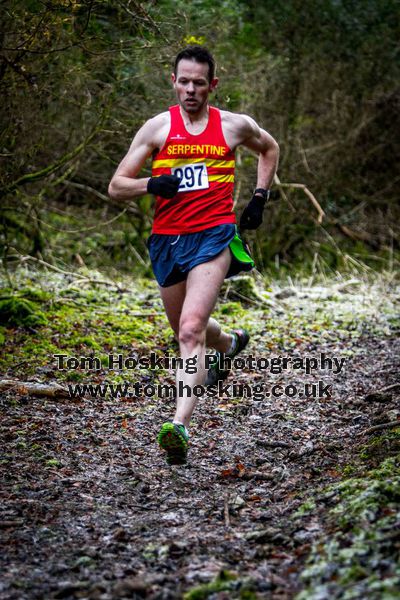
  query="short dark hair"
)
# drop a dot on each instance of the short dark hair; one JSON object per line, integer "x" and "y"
{"x": 199, "y": 54}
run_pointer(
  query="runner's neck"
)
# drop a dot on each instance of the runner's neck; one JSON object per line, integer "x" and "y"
{"x": 195, "y": 123}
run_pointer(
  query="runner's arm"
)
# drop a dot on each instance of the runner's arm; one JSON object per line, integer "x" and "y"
{"x": 261, "y": 142}
{"x": 125, "y": 184}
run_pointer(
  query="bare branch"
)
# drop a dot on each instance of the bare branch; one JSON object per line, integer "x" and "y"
{"x": 33, "y": 389}
{"x": 100, "y": 224}
{"x": 76, "y": 276}
{"x": 141, "y": 11}
{"x": 314, "y": 201}
{"x": 380, "y": 427}
{"x": 278, "y": 183}
{"x": 301, "y": 186}
{"x": 31, "y": 177}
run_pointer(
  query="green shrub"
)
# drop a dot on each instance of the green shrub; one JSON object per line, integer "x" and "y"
{"x": 21, "y": 313}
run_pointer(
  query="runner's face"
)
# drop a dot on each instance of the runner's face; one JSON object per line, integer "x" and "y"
{"x": 192, "y": 86}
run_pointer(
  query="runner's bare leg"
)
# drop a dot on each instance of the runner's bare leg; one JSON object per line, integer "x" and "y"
{"x": 191, "y": 321}
{"x": 173, "y": 298}
{"x": 202, "y": 288}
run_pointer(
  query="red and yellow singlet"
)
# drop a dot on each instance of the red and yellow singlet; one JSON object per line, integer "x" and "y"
{"x": 206, "y": 165}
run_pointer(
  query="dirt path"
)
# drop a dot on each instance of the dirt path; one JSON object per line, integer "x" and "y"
{"x": 90, "y": 509}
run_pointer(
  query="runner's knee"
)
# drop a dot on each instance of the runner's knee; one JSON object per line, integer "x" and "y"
{"x": 191, "y": 331}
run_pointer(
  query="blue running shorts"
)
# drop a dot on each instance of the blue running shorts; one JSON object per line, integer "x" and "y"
{"x": 173, "y": 256}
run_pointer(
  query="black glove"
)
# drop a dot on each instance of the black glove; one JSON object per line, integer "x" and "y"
{"x": 165, "y": 185}
{"x": 252, "y": 215}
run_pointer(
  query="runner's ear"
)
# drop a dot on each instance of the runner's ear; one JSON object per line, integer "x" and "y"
{"x": 213, "y": 84}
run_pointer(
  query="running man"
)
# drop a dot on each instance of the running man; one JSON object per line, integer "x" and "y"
{"x": 194, "y": 243}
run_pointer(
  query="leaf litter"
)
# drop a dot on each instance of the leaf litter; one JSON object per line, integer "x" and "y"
{"x": 91, "y": 510}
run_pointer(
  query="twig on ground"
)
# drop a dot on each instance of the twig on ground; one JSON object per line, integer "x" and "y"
{"x": 390, "y": 388}
{"x": 380, "y": 427}
{"x": 33, "y": 389}
{"x": 226, "y": 511}
{"x": 272, "y": 444}
{"x": 76, "y": 276}
{"x": 382, "y": 395}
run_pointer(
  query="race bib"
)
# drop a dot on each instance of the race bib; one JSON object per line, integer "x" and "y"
{"x": 194, "y": 177}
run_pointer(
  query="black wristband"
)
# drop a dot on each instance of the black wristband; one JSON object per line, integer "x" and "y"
{"x": 262, "y": 192}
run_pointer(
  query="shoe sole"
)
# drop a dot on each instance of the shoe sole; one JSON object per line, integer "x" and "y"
{"x": 173, "y": 443}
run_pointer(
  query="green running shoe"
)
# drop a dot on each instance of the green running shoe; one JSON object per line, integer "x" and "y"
{"x": 174, "y": 440}
{"x": 216, "y": 374}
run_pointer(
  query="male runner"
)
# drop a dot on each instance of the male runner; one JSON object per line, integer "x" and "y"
{"x": 194, "y": 243}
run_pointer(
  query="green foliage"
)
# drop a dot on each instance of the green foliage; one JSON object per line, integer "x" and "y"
{"x": 240, "y": 589}
{"x": 386, "y": 444}
{"x": 223, "y": 582}
{"x": 362, "y": 498}
{"x": 232, "y": 308}
{"x": 83, "y": 321}
{"x": 354, "y": 556}
{"x": 20, "y": 312}
{"x": 306, "y": 508}
{"x": 78, "y": 79}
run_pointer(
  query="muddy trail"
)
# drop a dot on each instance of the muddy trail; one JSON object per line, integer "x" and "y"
{"x": 282, "y": 497}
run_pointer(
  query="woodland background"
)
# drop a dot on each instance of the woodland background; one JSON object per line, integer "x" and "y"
{"x": 78, "y": 79}
{"x": 281, "y": 498}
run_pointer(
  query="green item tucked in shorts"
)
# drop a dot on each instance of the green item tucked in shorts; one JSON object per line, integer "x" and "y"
{"x": 241, "y": 259}
{"x": 173, "y": 256}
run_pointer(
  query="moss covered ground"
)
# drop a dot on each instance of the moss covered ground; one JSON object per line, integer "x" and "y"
{"x": 282, "y": 497}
